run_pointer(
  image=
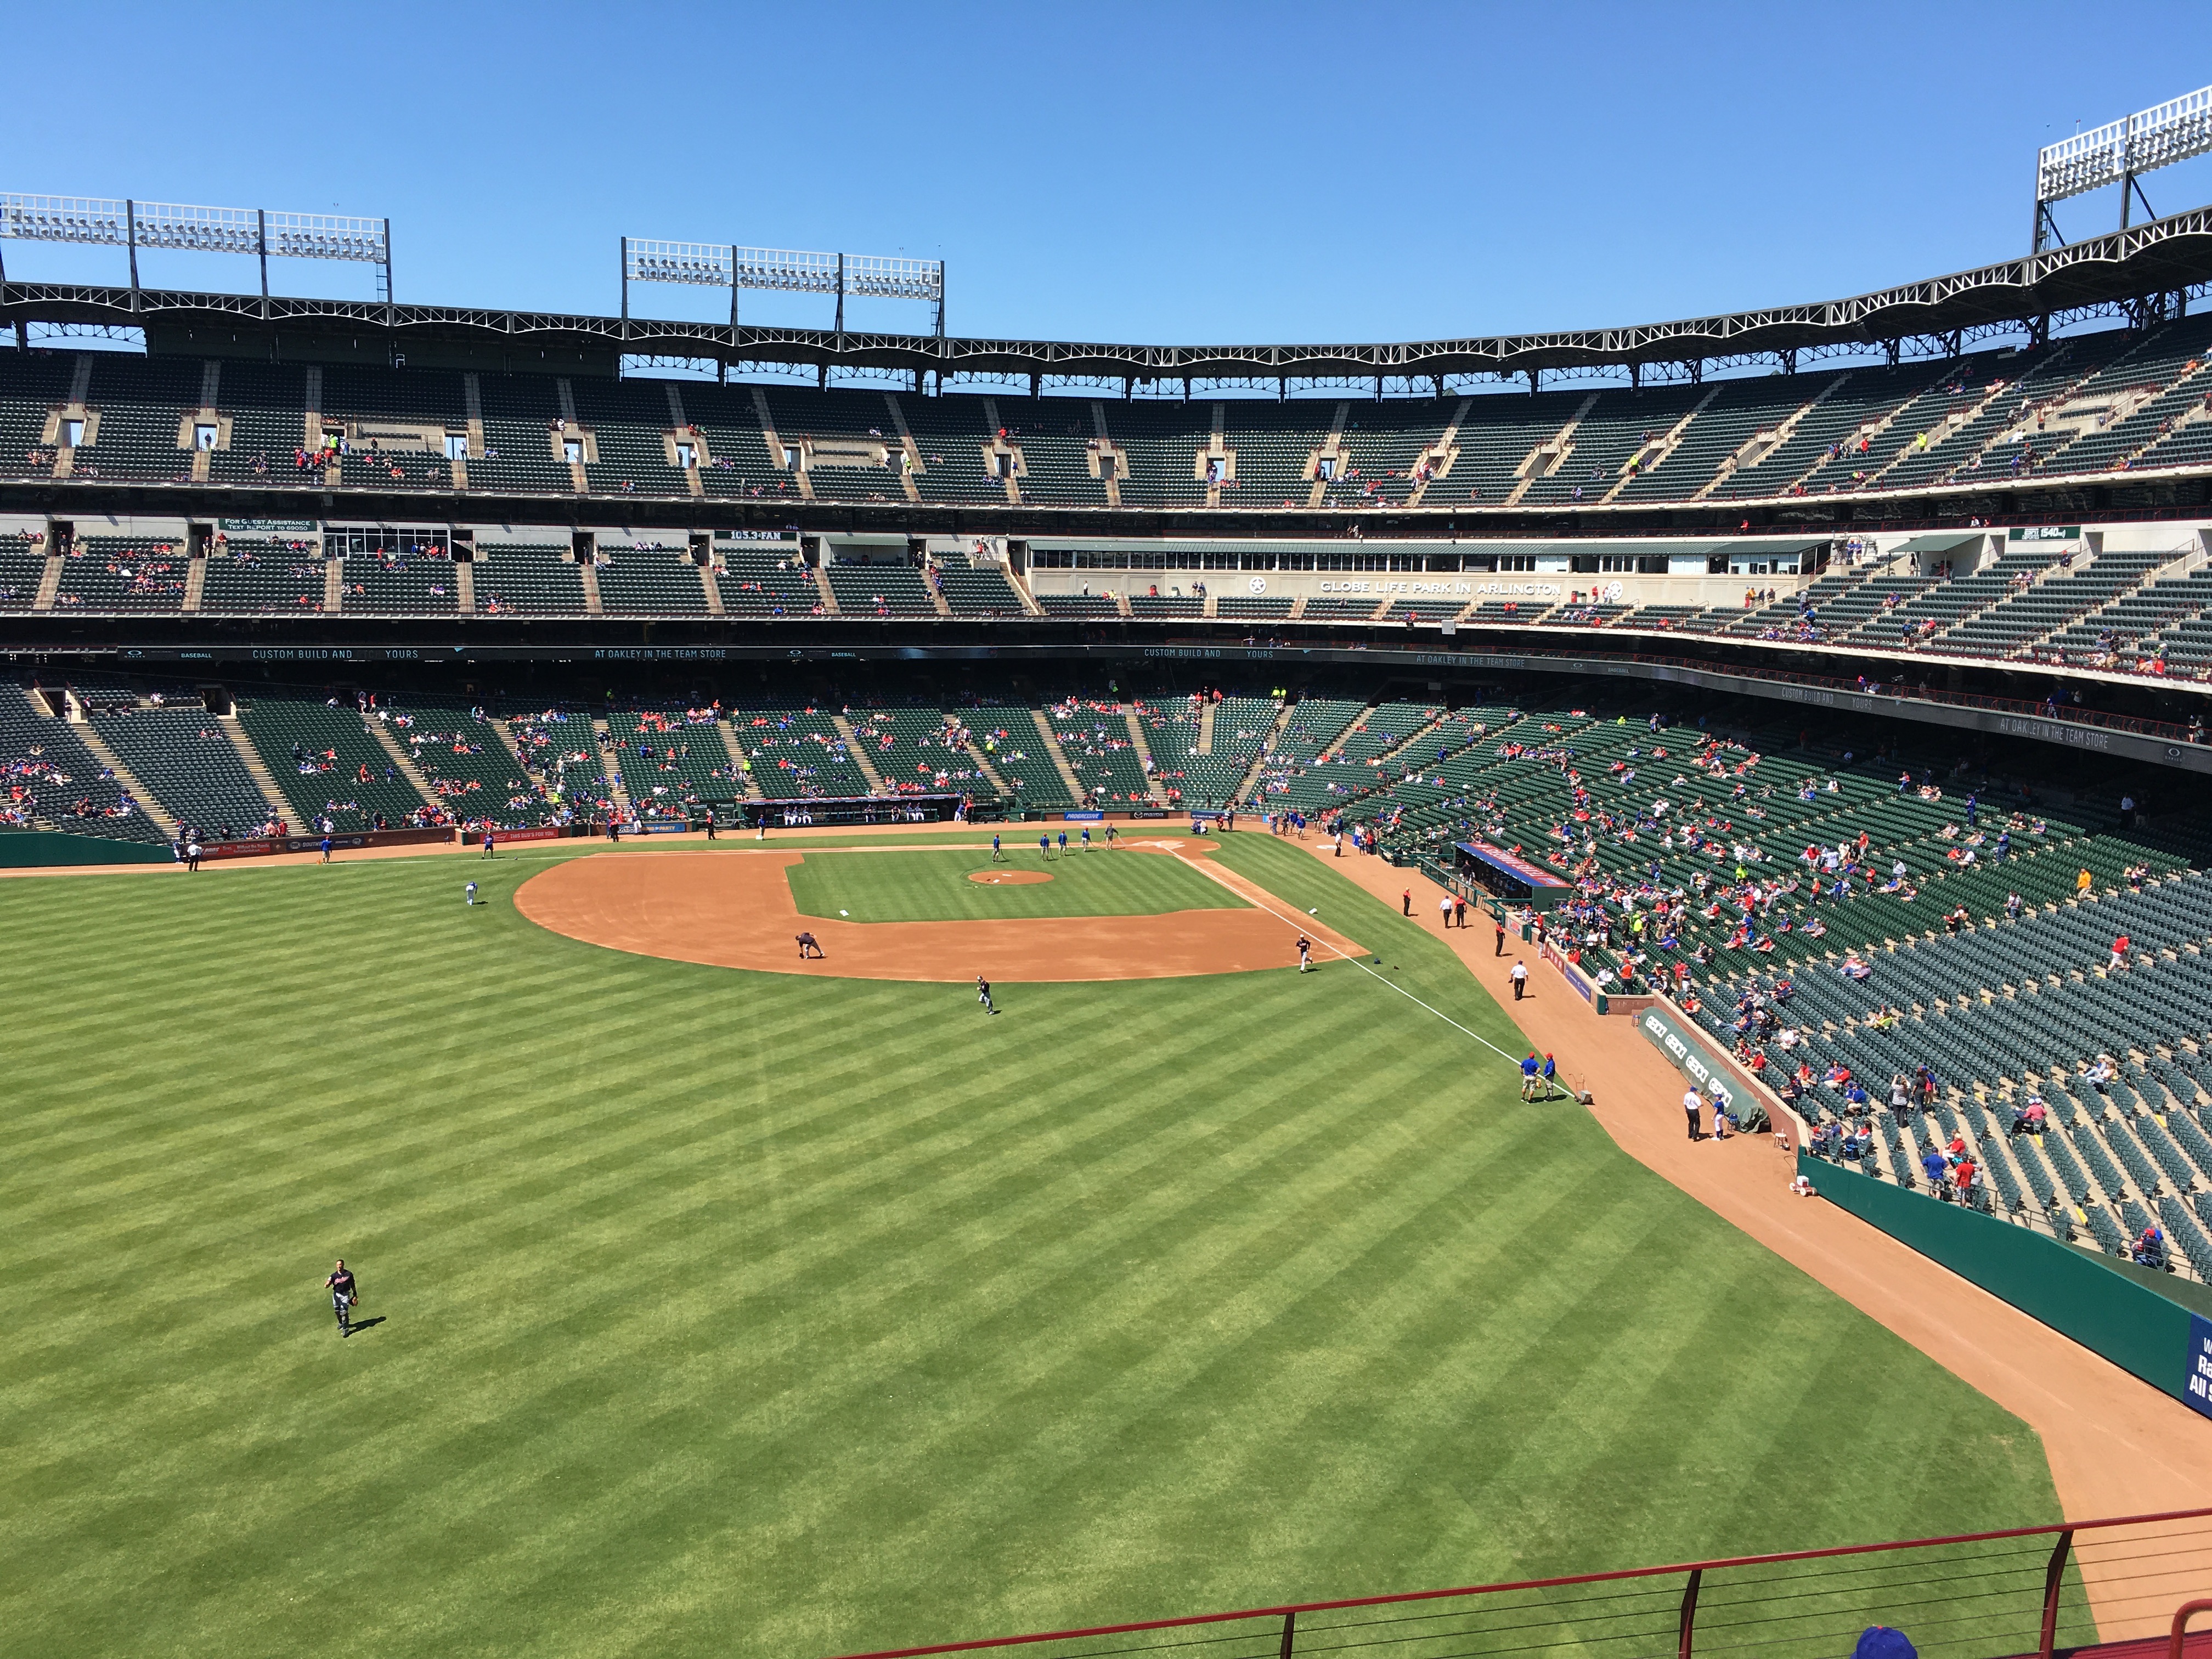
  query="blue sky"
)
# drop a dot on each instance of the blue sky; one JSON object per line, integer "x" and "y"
{"x": 1156, "y": 172}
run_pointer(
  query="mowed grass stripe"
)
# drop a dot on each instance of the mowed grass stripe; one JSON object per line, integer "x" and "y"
{"x": 735, "y": 1312}
{"x": 927, "y": 886}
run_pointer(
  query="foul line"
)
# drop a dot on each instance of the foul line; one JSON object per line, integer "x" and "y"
{"x": 1200, "y": 865}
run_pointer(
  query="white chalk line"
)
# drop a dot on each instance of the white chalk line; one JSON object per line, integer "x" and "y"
{"x": 1512, "y": 1059}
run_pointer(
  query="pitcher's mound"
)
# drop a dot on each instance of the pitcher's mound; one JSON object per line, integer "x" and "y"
{"x": 1008, "y": 877}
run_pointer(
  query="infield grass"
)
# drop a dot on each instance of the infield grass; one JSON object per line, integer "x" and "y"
{"x": 927, "y": 886}
{"x": 745, "y": 1315}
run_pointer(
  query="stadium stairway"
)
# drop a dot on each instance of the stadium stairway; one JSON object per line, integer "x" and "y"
{"x": 400, "y": 758}
{"x": 108, "y": 757}
{"x": 506, "y": 734}
{"x": 280, "y": 810}
{"x": 990, "y": 773}
{"x": 1776, "y": 437}
{"x": 1649, "y": 456}
{"x": 1550, "y": 455}
{"x": 1050, "y": 739}
{"x": 1144, "y": 753}
{"x": 859, "y": 752}
{"x": 737, "y": 759}
{"x": 603, "y": 739}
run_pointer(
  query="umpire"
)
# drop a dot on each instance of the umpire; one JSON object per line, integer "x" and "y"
{"x": 343, "y": 1294}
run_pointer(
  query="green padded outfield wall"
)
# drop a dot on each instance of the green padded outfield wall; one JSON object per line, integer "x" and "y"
{"x": 21, "y": 849}
{"x": 2107, "y": 1312}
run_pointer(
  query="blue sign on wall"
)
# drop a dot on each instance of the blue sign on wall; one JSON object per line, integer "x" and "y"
{"x": 2196, "y": 1384}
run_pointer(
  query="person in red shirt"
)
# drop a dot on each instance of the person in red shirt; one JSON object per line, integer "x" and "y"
{"x": 2119, "y": 953}
{"x": 1963, "y": 1175}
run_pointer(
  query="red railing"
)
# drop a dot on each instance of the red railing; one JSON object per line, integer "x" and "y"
{"x": 1975, "y": 1595}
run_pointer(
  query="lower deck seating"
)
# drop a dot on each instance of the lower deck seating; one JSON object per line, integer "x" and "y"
{"x": 186, "y": 760}
{"x": 673, "y": 760}
{"x": 1095, "y": 742}
{"x": 50, "y": 780}
{"x": 328, "y": 766}
{"x": 797, "y": 754}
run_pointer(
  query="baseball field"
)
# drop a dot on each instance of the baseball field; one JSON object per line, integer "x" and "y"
{"x": 720, "y": 1310}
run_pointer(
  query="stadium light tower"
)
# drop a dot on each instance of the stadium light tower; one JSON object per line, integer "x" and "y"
{"x": 95, "y": 222}
{"x": 720, "y": 264}
{"x": 2119, "y": 153}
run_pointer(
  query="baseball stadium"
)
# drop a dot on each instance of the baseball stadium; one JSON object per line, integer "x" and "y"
{"x": 1541, "y": 995}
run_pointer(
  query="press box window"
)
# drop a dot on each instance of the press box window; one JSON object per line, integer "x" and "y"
{"x": 686, "y": 456}
{"x": 457, "y": 446}
{"x": 72, "y": 433}
{"x": 572, "y": 448}
{"x": 1326, "y": 470}
{"x": 205, "y": 435}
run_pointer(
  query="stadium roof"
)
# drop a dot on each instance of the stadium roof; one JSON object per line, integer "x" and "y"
{"x": 2163, "y": 256}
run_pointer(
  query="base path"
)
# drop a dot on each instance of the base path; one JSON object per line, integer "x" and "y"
{"x": 734, "y": 909}
{"x": 2116, "y": 1445}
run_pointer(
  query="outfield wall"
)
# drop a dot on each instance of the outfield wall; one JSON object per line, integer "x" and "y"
{"x": 2130, "y": 1324}
{"x": 28, "y": 849}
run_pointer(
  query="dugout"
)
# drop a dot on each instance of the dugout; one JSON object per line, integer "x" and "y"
{"x": 1509, "y": 877}
{"x": 933, "y": 808}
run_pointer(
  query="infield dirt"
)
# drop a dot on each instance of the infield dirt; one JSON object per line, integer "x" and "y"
{"x": 735, "y": 910}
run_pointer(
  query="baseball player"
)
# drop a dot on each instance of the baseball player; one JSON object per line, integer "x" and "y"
{"x": 983, "y": 995}
{"x": 469, "y": 894}
{"x": 344, "y": 1292}
{"x": 1305, "y": 954}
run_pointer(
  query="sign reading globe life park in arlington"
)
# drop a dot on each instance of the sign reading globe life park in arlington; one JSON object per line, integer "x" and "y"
{"x": 1453, "y": 590}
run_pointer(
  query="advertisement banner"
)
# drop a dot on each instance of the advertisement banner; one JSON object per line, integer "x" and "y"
{"x": 1690, "y": 1053}
{"x": 358, "y": 838}
{"x": 1568, "y": 971}
{"x": 537, "y": 832}
{"x": 239, "y": 850}
{"x": 2197, "y": 1374}
{"x": 1083, "y": 818}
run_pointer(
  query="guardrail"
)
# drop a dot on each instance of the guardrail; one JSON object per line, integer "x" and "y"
{"x": 1977, "y": 1596}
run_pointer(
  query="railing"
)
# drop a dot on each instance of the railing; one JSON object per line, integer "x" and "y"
{"x": 1981, "y": 1595}
{"x": 2062, "y": 714}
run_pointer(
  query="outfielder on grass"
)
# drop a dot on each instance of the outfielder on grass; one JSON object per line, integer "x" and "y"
{"x": 344, "y": 1292}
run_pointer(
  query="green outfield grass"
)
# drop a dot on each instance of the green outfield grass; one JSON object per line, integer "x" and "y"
{"x": 924, "y": 886}
{"x": 732, "y": 1314}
